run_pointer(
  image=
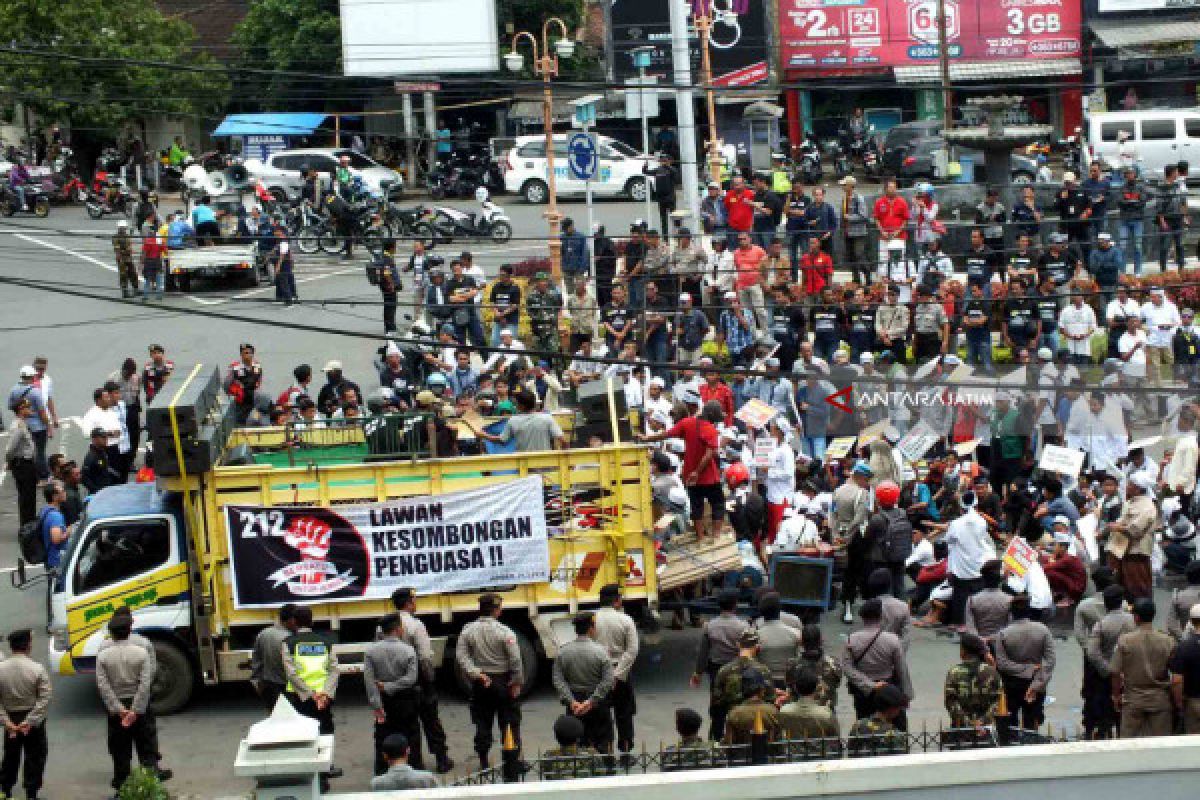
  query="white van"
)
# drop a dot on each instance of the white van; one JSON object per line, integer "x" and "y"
{"x": 619, "y": 173}
{"x": 1161, "y": 137}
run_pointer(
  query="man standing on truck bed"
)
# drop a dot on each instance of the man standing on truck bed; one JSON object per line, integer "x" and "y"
{"x": 414, "y": 633}
{"x": 488, "y": 653}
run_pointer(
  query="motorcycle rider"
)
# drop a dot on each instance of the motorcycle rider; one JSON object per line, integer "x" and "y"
{"x": 122, "y": 244}
{"x": 18, "y": 178}
{"x": 342, "y": 214}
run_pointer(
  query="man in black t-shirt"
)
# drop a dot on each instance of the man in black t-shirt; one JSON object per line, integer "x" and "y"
{"x": 979, "y": 262}
{"x": 615, "y": 321}
{"x": 1059, "y": 261}
{"x": 860, "y": 319}
{"x": 505, "y": 299}
{"x": 828, "y": 322}
{"x": 977, "y": 325}
{"x": 1047, "y": 303}
{"x": 787, "y": 326}
{"x": 1021, "y": 324}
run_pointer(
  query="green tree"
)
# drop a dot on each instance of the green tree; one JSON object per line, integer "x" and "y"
{"x": 294, "y": 42}
{"x": 99, "y": 64}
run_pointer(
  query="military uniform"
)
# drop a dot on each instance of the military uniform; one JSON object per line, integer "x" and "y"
{"x": 690, "y": 752}
{"x": 489, "y": 647}
{"x": 1141, "y": 659}
{"x": 390, "y": 677}
{"x": 24, "y": 699}
{"x": 311, "y": 669}
{"x": 572, "y": 761}
{"x": 544, "y": 308}
{"x": 124, "y": 677}
{"x": 1099, "y": 714}
{"x": 127, "y": 273}
{"x": 829, "y": 678}
{"x": 808, "y": 719}
{"x": 739, "y": 725}
{"x": 875, "y": 735}
{"x": 972, "y": 694}
{"x": 727, "y": 691}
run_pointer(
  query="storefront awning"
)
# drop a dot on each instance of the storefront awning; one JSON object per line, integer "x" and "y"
{"x": 990, "y": 70}
{"x": 284, "y": 124}
{"x": 1121, "y": 33}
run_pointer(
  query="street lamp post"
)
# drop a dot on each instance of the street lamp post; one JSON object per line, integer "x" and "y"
{"x": 546, "y": 65}
{"x": 703, "y": 22}
{"x": 641, "y": 60}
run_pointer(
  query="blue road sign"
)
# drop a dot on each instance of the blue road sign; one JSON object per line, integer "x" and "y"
{"x": 582, "y": 161}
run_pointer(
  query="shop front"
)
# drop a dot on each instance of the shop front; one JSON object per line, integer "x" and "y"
{"x": 1143, "y": 53}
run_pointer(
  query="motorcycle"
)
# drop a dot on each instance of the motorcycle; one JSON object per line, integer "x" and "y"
{"x": 841, "y": 160}
{"x": 447, "y": 223}
{"x": 872, "y": 159}
{"x": 65, "y": 188}
{"x": 366, "y": 226}
{"x": 37, "y": 202}
{"x": 809, "y": 168}
{"x": 404, "y": 221}
{"x": 114, "y": 198}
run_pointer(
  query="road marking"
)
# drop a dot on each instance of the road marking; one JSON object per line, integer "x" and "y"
{"x": 67, "y": 250}
{"x": 216, "y": 301}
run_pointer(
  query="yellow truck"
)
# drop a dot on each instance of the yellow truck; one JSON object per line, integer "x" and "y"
{"x": 242, "y": 521}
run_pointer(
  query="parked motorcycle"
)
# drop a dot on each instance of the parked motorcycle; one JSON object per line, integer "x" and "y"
{"x": 37, "y": 202}
{"x": 65, "y": 188}
{"x": 447, "y": 224}
{"x": 114, "y": 198}
{"x": 809, "y": 162}
{"x": 366, "y": 226}
{"x": 841, "y": 160}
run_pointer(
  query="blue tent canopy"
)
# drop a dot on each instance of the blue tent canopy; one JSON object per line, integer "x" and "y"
{"x": 299, "y": 124}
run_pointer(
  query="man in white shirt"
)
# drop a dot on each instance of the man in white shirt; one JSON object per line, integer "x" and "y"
{"x": 1179, "y": 476}
{"x": 1078, "y": 324}
{"x": 1096, "y": 427}
{"x": 583, "y": 368}
{"x": 656, "y": 397}
{"x": 1132, "y": 350}
{"x": 1118, "y": 310}
{"x": 104, "y": 416}
{"x": 510, "y": 350}
{"x": 969, "y": 547}
{"x": 1161, "y": 318}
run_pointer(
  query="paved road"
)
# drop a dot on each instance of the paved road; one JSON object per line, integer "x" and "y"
{"x": 86, "y": 338}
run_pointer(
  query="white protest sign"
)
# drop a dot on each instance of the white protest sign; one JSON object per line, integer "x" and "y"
{"x": 917, "y": 442}
{"x": 1063, "y": 460}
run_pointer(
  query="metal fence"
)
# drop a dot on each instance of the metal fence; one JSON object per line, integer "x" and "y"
{"x": 548, "y": 767}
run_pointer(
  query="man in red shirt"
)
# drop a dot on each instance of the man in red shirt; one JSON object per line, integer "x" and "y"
{"x": 816, "y": 268}
{"x": 1065, "y": 573}
{"x": 701, "y": 471}
{"x": 751, "y": 263}
{"x": 718, "y": 391}
{"x": 739, "y": 208}
{"x": 891, "y": 219}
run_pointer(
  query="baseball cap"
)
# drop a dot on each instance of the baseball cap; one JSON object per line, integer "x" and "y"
{"x": 28, "y": 371}
{"x": 330, "y": 366}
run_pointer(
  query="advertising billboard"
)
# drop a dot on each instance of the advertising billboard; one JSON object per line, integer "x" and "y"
{"x": 419, "y": 37}
{"x": 737, "y": 44}
{"x": 1121, "y": 6}
{"x": 845, "y": 34}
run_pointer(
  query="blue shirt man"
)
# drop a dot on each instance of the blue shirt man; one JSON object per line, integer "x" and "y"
{"x": 53, "y": 519}
{"x": 201, "y": 214}
{"x": 28, "y": 390}
{"x": 178, "y": 231}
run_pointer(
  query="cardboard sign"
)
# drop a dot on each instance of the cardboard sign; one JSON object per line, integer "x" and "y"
{"x": 872, "y": 433}
{"x": 1019, "y": 555}
{"x": 764, "y": 446}
{"x": 917, "y": 442}
{"x": 755, "y": 413}
{"x": 840, "y": 447}
{"x": 1063, "y": 460}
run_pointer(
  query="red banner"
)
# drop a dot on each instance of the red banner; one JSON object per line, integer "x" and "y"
{"x": 841, "y": 34}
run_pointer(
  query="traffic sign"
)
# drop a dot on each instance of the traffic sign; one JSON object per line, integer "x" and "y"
{"x": 582, "y": 162}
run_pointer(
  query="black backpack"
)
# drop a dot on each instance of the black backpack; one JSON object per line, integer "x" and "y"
{"x": 897, "y": 539}
{"x": 31, "y": 541}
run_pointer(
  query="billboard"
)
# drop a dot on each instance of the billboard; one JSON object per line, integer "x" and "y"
{"x": 1121, "y": 6}
{"x": 845, "y": 34}
{"x": 738, "y": 39}
{"x": 418, "y": 37}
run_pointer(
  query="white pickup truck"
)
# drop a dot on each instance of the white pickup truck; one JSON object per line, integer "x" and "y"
{"x": 239, "y": 262}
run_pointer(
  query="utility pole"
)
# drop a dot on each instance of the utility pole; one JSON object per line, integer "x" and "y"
{"x": 944, "y": 59}
{"x": 685, "y": 110}
{"x": 704, "y": 26}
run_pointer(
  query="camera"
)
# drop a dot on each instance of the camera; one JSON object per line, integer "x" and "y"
{"x": 434, "y": 262}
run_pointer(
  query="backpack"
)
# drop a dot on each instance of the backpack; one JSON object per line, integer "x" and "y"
{"x": 31, "y": 540}
{"x": 897, "y": 539}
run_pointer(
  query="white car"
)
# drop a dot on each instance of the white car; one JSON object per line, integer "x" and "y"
{"x": 619, "y": 173}
{"x": 282, "y": 172}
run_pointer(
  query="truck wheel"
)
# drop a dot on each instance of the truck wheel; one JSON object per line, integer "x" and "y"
{"x": 174, "y": 681}
{"x": 529, "y": 666}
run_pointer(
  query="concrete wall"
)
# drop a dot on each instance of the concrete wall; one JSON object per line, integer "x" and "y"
{"x": 1162, "y": 769}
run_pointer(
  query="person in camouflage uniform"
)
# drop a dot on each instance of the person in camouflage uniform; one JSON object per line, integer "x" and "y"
{"x": 826, "y": 667}
{"x": 544, "y": 305}
{"x": 755, "y": 706}
{"x": 692, "y": 751}
{"x": 727, "y": 686}
{"x": 877, "y": 734}
{"x": 127, "y": 272}
{"x": 973, "y": 689}
{"x": 569, "y": 759}
{"x": 804, "y": 716}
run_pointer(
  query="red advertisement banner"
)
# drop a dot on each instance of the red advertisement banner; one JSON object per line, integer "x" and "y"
{"x": 842, "y": 34}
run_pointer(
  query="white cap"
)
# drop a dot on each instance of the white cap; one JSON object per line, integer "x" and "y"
{"x": 1069, "y": 177}
{"x": 1194, "y": 613}
{"x": 678, "y": 496}
{"x": 896, "y": 245}
{"x": 506, "y": 331}
{"x": 867, "y": 357}
{"x": 951, "y": 360}
{"x": 731, "y": 295}
{"x": 122, "y": 224}
{"x": 661, "y": 417}
{"x": 685, "y": 296}
{"x": 676, "y": 446}
{"x": 330, "y": 366}
{"x": 1062, "y": 519}
{"x": 1142, "y": 481}
{"x": 1062, "y": 537}
{"x": 657, "y": 381}
{"x": 28, "y": 372}
{"x": 1045, "y": 354}
{"x": 392, "y": 349}
{"x": 691, "y": 396}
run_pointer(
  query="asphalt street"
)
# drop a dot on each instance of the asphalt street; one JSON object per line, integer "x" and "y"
{"x": 86, "y": 337}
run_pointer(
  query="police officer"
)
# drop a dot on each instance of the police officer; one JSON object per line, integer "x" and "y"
{"x": 1099, "y": 714}
{"x": 1185, "y": 673}
{"x": 544, "y": 304}
{"x": 124, "y": 678}
{"x": 414, "y": 633}
{"x": 312, "y": 675}
{"x": 583, "y": 678}
{"x": 1025, "y": 659}
{"x": 617, "y": 633}
{"x": 488, "y": 653}
{"x": 390, "y": 677}
{"x": 122, "y": 244}
{"x": 973, "y": 686}
{"x": 1141, "y": 678}
{"x": 24, "y": 700}
{"x": 719, "y": 645}
{"x": 266, "y": 659}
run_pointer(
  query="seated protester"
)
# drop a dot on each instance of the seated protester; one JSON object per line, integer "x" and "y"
{"x": 675, "y": 521}
{"x": 798, "y": 531}
{"x": 1037, "y": 588}
{"x": 1066, "y": 573}
{"x": 803, "y": 716}
{"x": 929, "y": 582}
{"x": 510, "y": 350}
{"x": 691, "y": 751}
{"x": 1179, "y": 542}
{"x": 583, "y": 368}
{"x": 664, "y": 476}
{"x": 570, "y": 759}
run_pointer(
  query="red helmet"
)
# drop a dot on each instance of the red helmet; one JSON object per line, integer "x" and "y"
{"x": 736, "y": 474}
{"x": 887, "y": 493}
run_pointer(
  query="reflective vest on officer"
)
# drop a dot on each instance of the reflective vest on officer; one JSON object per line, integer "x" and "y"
{"x": 310, "y": 654}
{"x": 780, "y": 182}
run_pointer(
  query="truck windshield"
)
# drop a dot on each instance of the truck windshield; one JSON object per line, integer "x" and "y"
{"x": 118, "y": 550}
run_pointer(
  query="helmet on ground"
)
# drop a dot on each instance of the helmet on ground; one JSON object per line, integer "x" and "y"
{"x": 887, "y": 493}
{"x": 737, "y": 474}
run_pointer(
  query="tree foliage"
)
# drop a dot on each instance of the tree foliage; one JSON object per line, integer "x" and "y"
{"x": 87, "y": 63}
{"x": 291, "y": 36}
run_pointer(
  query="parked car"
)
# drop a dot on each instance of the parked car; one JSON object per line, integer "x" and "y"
{"x": 619, "y": 172}
{"x": 282, "y": 172}
{"x": 1158, "y": 137}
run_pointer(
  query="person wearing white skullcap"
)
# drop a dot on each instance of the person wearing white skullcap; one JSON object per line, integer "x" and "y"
{"x": 781, "y": 474}
{"x": 1066, "y": 573}
{"x": 1131, "y": 537}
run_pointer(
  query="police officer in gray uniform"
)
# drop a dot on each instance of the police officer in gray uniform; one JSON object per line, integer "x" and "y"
{"x": 488, "y": 653}
{"x": 24, "y": 700}
{"x": 415, "y": 634}
{"x": 266, "y": 659}
{"x": 124, "y": 677}
{"x": 390, "y": 677}
{"x": 583, "y": 678}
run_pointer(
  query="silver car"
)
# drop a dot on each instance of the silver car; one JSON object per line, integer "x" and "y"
{"x": 283, "y": 172}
